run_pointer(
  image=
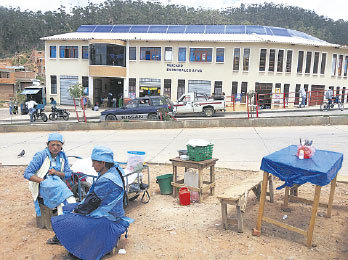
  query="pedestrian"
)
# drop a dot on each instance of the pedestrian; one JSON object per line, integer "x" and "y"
{"x": 303, "y": 96}
{"x": 31, "y": 107}
{"x": 53, "y": 103}
{"x": 328, "y": 96}
{"x": 11, "y": 106}
{"x": 92, "y": 228}
{"x": 109, "y": 99}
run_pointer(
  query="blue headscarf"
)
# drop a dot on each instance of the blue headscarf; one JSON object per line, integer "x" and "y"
{"x": 102, "y": 154}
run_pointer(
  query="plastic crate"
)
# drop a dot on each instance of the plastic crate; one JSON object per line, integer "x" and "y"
{"x": 200, "y": 153}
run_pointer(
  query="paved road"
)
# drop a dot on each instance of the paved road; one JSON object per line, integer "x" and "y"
{"x": 236, "y": 148}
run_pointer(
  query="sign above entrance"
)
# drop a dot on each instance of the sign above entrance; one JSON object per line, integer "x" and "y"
{"x": 180, "y": 68}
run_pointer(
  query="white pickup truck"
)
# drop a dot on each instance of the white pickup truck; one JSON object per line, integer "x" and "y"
{"x": 199, "y": 103}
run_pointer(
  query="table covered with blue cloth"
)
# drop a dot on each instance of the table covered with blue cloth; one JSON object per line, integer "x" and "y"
{"x": 318, "y": 170}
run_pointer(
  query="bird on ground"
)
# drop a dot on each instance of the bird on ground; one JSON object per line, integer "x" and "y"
{"x": 21, "y": 154}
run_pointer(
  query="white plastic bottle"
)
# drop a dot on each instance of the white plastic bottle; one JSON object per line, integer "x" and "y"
{"x": 301, "y": 154}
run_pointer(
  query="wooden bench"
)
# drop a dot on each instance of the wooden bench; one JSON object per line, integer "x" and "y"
{"x": 238, "y": 195}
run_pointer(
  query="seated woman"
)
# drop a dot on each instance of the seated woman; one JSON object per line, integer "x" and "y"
{"x": 95, "y": 225}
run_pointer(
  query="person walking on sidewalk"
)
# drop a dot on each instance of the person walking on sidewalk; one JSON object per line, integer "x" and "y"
{"x": 303, "y": 96}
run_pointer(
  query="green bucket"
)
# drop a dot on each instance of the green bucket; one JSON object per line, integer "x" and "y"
{"x": 164, "y": 182}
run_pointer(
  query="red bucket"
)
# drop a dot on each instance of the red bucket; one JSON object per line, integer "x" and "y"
{"x": 184, "y": 196}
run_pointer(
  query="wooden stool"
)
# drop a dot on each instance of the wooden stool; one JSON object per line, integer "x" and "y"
{"x": 44, "y": 221}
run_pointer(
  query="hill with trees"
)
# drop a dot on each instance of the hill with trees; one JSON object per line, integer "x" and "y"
{"x": 21, "y": 31}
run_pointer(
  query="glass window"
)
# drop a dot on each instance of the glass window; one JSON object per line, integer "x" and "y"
{"x": 334, "y": 65}
{"x": 345, "y": 66}
{"x": 53, "y": 52}
{"x": 107, "y": 54}
{"x": 244, "y": 91}
{"x": 132, "y": 87}
{"x": 132, "y": 103}
{"x": 167, "y": 87}
{"x": 68, "y": 52}
{"x": 85, "y": 85}
{"x": 316, "y": 62}
{"x": 53, "y": 84}
{"x": 85, "y": 52}
{"x": 300, "y": 62}
{"x": 288, "y": 60}
{"x": 234, "y": 89}
{"x": 220, "y": 55}
{"x": 201, "y": 54}
{"x": 286, "y": 93}
{"x": 182, "y": 54}
{"x": 262, "y": 65}
{"x": 323, "y": 63}
{"x": 181, "y": 88}
{"x": 168, "y": 53}
{"x": 150, "y": 53}
{"x": 271, "y": 60}
{"x": 246, "y": 56}
{"x": 218, "y": 88}
{"x": 308, "y": 62}
{"x": 280, "y": 63}
{"x": 340, "y": 64}
{"x": 132, "y": 53}
{"x": 236, "y": 58}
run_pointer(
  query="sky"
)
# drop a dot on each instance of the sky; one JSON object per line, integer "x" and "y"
{"x": 334, "y": 9}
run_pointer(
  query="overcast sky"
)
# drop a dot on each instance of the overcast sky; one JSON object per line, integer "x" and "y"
{"x": 334, "y": 9}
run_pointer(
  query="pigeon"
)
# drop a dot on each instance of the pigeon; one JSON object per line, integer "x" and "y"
{"x": 21, "y": 154}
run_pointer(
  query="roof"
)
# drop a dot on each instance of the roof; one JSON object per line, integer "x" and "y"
{"x": 205, "y": 33}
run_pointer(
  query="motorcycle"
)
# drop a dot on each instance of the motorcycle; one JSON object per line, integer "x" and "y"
{"x": 58, "y": 112}
{"x": 39, "y": 113}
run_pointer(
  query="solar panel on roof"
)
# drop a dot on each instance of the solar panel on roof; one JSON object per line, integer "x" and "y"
{"x": 176, "y": 29}
{"x": 211, "y": 29}
{"x": 86, "y": 28}
{"x": 268, "y": 31}
{"x": 235, "y": 29}
{"x": 158, "y": 29}
{"x": 121, "y": 29}
{"x": 103, "y": 28}
{"x": 139, "y": 29}
{"x": 195, "y": 29}
{"x": 250, "y": 29}
{"x": 280, "y": 32}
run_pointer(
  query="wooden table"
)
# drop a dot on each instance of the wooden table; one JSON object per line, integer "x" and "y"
{"x": 203, "y": 186}
{"x": 283, "y": 164}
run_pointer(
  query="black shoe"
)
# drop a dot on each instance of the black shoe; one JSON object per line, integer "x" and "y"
{"x": 53, "y": 241}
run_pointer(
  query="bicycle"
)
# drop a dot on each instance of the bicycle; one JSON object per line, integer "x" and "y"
{"x": 325, "y": 106}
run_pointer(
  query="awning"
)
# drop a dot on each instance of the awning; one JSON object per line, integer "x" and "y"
{"x": 30, "y": 91}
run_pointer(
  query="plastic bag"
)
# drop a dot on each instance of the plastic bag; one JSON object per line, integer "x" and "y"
{"x": 135, "y": 161}
{"x": 308, "y": 151}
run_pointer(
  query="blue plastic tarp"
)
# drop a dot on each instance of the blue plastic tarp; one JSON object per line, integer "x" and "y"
{"x": 318, "y": 170}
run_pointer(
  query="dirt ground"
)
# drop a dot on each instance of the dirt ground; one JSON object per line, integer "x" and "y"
{"x": 165, "y": 230}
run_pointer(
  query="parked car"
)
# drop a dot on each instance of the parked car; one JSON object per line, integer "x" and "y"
{"x": 143, "y": 108}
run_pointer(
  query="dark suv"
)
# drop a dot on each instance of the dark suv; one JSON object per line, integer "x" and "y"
{"x": 142, "y": 108}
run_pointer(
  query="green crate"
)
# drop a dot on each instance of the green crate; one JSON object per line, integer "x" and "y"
{"x": 200, "y": 153}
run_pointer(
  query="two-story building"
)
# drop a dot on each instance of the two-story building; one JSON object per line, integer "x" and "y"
{"x": 139, "y": 60}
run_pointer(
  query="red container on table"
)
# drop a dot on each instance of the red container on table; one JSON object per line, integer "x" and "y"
{"x": 184, "y": 196}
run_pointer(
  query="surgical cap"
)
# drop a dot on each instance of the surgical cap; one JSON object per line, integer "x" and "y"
{"x": 102, "y": 154}
{"x": 55, "y": 137}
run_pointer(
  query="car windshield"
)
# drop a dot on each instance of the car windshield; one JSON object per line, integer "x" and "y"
{"x": 132, "y": 103}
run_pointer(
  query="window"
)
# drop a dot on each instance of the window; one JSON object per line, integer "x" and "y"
{"x": 340, "y": 64}
{"x": 85, "y": 85}
{"x": 181, "y": 88}
{"x": 150, "y": 53}
{"x": 316, "y": 62}
{"x": 334, "y": 65}
{"x": 288, "y": 61}
{"x": 244, "y": 90}
{"x": 246, "y": 56}
{"x": 68, "y": 52}
{"x": 132, "y": 53}
{"x": 280, "y": 63}
{"x": 286, "y": 93}
{"x": 201, "y": 54}
{"x": 218, "y": 88}
{"x": 220, "y": 55}
{"x": 167, "y": 87}
{"x": 271, "y": 60}
{"x": 168, "y": 53}
{"x": 132, "y": 87}
{"x": 53, "y": 52}
{"x": 308, "y": 62}
{"x": 297, "y": 94}
{"x": 300, "y": 62}
{"x": 85, "y": 52}
{"x": 323, "y": 63}
{"x": 345, "y": 66}
{"x": 262, "y": 65}
{"x": 234, "y": 89}
{"x": 53, "y": 84}
{"x": 236, "y": 58}
{"x": 182, "y": 54}
{"x": 107, "y": 54}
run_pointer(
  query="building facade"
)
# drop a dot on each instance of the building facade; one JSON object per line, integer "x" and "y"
{"x": 137, "y": 60}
